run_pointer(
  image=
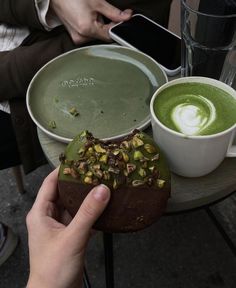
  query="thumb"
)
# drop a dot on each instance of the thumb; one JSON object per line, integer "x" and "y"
{"x": 91, "y": 208}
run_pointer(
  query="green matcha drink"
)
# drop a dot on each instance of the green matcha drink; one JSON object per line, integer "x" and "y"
{"x": 195, "y": 109}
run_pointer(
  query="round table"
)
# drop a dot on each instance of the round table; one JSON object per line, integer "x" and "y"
{"x": 186, "y": 193}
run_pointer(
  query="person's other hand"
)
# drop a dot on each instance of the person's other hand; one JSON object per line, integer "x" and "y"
{"x": 83, "y": 19}
{"x": 56, "y": 243}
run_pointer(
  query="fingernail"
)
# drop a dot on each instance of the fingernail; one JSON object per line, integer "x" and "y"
{"x": 126, "y": 12}
{"x": 101, "y": 193}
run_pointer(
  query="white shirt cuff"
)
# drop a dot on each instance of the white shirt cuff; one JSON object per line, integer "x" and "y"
{"x": 5, "y": 107}
{"x": 47, "y": 19}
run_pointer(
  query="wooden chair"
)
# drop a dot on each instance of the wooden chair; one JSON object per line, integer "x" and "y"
{"x": 9, "y": 155}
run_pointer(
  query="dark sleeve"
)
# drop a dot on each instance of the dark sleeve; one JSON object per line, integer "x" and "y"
{"x": 17, "y": 67}
{"x": 19, "y": 13}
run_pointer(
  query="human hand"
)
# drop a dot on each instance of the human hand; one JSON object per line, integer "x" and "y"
{"x": 56, "y": 243}
{"x": 83, "y": 18}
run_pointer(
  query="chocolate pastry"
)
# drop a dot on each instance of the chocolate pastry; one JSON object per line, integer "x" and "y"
{"x": 133, "y": 168}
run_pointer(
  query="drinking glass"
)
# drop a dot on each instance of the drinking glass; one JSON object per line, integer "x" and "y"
{"x": 208, "y": 29}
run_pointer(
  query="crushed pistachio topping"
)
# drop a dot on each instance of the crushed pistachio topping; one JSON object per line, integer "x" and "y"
{"x": 132, "y": 162}
{"x": 52, "y": 124}
{"x": 73, "y": 111}
{"x": 150, "y": 148}
{"x": 160, "y": 183}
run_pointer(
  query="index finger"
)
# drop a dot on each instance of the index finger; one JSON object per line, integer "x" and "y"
{"x": 113, "y": 13}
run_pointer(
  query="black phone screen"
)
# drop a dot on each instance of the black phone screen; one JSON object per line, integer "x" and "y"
{"x": 151, "y": 39}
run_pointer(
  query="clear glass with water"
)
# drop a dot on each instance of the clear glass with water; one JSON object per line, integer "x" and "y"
{"x": 208, "y": 29}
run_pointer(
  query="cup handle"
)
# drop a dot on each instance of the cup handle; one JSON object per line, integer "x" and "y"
{"x": 232, "y": 148}
{"x": 231, "y": 151}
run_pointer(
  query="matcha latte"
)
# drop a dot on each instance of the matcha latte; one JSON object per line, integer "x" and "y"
{"x": 195, "y": 109}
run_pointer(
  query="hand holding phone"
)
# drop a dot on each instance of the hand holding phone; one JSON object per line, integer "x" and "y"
{"x": 145, "y": 35}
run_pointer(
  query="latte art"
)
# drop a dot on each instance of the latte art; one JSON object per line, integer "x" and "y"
{"x": 195, "y": 109}
{"x": 191, "y": 119}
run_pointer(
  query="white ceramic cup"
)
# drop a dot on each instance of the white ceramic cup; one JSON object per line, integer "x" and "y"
{"x": 193, "y": 156}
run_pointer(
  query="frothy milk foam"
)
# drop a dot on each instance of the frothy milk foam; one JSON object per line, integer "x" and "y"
{"x": 195, "y": 109}
{"x": 191, "y": 119}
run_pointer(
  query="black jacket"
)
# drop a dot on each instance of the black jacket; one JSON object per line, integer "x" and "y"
{"x": 17, "y": 67}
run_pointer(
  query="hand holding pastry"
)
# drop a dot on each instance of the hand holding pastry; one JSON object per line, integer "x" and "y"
{"x": 56, "y": 243}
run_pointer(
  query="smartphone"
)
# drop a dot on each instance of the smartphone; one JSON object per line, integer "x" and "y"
{"x": 145, "y": 35}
